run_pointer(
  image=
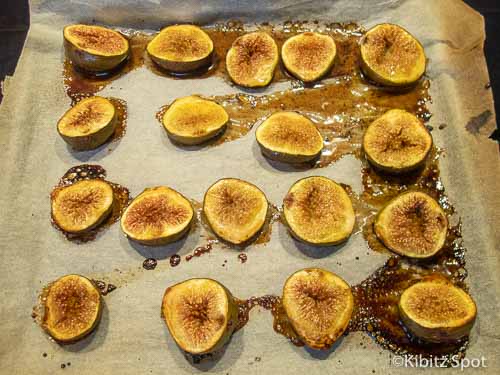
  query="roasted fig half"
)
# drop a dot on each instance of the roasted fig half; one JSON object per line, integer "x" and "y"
{"x": 94, "y": 48}
{"x": 88, "y": 124}
{"x": 193, "y": 120}
{"x": 157, "y": 216}
{"x": 252, "y": 59}
{"x": 437, "y": 311}
{"x": 82, "y": 206}
{"x": 72, "y": 307}
{"x": 236, "y": 210}
{"x": 181, "y": 48}
{"x": 391, "y": 56}
{"x": 289, "y": 137}
{"x": 318, "y": 211}
{"x": 200, "y": 314}
{"x": 308, "y": 56}
{"x": 397, "y": 142}
{"x": 413, "y": 224}
{"x": 319, "y": 305}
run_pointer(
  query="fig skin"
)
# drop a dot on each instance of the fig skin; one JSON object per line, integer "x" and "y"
{"x": 183, "y": 35}
{"x": 309, "y": 56}
{"x": 314, "y": 281}
{"x": 92, "y": 140}
{"x": 442, "y": 331}
{"x": 414, "y": 132}
{"x": 53, "y": 288}
{"x": 231, "y": 321}
{"x": 219, "y": 119}
{"x": 160, "y": 239}
{"x": 349, "y": 213}
{"x": 83, "y": 185}
{"x": 229, "y": 236}
{"x": 381, "y": 230}
{"x": 94, "y": 62}
{"x": 298, "y": 135}
{"x": 246, "y": 54}
{"x": 411, "y": 60}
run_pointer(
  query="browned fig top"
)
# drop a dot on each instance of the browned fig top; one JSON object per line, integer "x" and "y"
{"x": 96, "y": 39}
{"x": 308, "y": 55}
{"x": 435, "y": 304}
{"x": 412, "y": 224}
{"x": 72, "y": 307}
{"x": 290, "y": 133}
{"x": 252, "y": 59}
{"x": 181, "y": 43}
{"x": 235, "y": 209}
{"x": 397, "y": 140}
{"x": 318, "y": 210}
{"x": 88, "y": 116}
{"x": 82, "y": 205}
{"x": 319, "y": 305}
{"x": 393, "y": 54}
{"x": 157, "y": 212}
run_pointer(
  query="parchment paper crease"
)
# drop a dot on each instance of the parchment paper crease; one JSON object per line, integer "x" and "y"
{"x": 132, "y": 339}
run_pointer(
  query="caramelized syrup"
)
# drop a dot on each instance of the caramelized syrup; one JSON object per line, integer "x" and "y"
{"x": 341, "y": 109}
{"x": 80, "y": 84}
{"x": 86, "y": 172}
{"x": 175, "y": 260}
{"x": 341, "y": 106}
{"x": 104, "y": 288}
{"x": 121, "y": 119}
{"x": 149, "y": 264}
{"x": 200, "y": 250}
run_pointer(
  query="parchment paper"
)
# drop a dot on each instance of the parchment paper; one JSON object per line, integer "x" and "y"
{"x": 132, "y": 339}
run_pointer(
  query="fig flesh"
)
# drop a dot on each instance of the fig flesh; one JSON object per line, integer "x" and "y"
{"x": 73, "y": 308}
{"x": 318, "y": 211}
{"x": 412, "y": 224}
{"x": 157, "y": 216}
{"x": 397, "y": 142}
{"x": 82, "y": 206}
{"x": 319, "y": 305}
{"x": 437, "y": 311}
{"x": 236, "y": 210}
{"x": 181, "y": 48}
{"x": 252, "y": 59}
{"x": 289, "y": 137}
{"x": 193, "y": 120}
{"x": 95, "y": 49}
{"x": 200, "y": 314}
{"x": 88, "y": 124}
{"x": 391, "y": 56}
{"x": 309, "y": 56}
